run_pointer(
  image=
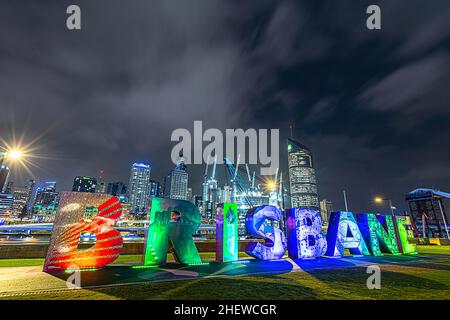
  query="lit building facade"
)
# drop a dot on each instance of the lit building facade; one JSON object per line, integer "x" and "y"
{"x": 46, "y": 195}
{"x": 176, "y": 182}
{"x": 226, "y": 194}
{"x": 138, "y": 188}
{"x": 84, "y": 184}
{"x": 116, "y": 189}
{"x": 20, "y": 195}
{"x": 6, "y": 203}
{"x": 302, "y": 177}
{"x": 154, "y": 188}
{"x": 9, "y": 188}
{"x": 4, "y": 175}
{"x": 326, "y": 208}
{"x": 101, "y": 188}
{"x": 45, "y": 202}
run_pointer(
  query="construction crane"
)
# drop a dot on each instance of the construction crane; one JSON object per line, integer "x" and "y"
{"x": 237, "y": 182}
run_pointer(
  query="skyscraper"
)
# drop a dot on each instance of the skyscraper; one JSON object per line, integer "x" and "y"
{"x": 84, "y": 184}
{"x": 6, "y": 203}
{"x": 4, "y": 175}
{"x": 32, "y": 189}
{"x": 117, "y": 189}
{"x": 211, "y": 193}
{"x": 101, "y": 188}
{"x": 176, "y": 182}
{"x": 198, "y": 201}
{"x": 46, "y": 195}
{"x": 302, "y": 176}
{"x": 21, "y": 195}
{"x": 155, "y": 188}
{"x": 138, "y": 188}
{"x": 326, "y": 207}
{"x": 226, "y": 194}
{"x": 9, "y": 188}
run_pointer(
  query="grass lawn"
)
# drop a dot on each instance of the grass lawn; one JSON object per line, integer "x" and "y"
{"x": 423, "y": 280}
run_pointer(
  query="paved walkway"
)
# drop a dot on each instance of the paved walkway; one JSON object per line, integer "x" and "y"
{"x": 28, "y": 280}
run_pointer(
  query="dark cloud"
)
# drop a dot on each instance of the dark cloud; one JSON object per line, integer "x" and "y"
{"x": 409, "y": 88}
{"x": 372, "y": 105}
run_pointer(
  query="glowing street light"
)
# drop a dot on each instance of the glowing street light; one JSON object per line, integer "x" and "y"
{"x": 271, "y": 185}
{"x": 14, "y": 154}
{"x": 381, "y": 200}
{"x": 378, "y": 199}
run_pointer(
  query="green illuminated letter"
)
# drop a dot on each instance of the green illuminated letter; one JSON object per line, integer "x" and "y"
{"x": 175, "y": 221}
{"x": 379, "y": 233}
{"x": 227, "y": 233}
{"x": 405, "y": 231}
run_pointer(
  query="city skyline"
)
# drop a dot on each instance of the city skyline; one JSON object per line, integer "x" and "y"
{"x": 199, "y": 189}
{"x": 372, "y": 105}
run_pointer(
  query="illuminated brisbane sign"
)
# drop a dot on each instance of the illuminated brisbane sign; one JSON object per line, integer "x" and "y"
{"x": 175, "y": 221}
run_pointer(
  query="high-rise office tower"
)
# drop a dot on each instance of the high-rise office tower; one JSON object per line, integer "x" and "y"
{"x": 21, "y": 195}
{"x": 326, "y": 207}
{"x": 4, "y": 175}
{"x": 46, "y": 194}
{"x": 6, "y": 203}
{"x": 9, "y": 187}
{"x": 302, "y": 176}
{"x": 116, "y": 189}
{"x": 155, "y": 189}
{"x": 198, "y": 201}
{"x": 101, "y": 185}
{"x": 211, "y": 193}
{"x": 31, "y": 193}
{"x": 226, "y": 194}
{"x": 189, "y": 194}
{"x": 101, "y": 188}
{"x": 84, "y": 184}
{"x": 138, "y": 188}
{"x": 176, "y": 182}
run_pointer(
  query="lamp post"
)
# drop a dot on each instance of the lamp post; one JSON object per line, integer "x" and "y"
{"x": 394, "y": 220}
{"x": 380, "y": 200}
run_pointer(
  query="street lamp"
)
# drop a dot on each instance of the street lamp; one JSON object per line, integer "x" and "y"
{"x": 271, "y": 185}
{"x": 381, "y": 200}
{"x": 12, "y": 155}
{"x": 394, "y": 219}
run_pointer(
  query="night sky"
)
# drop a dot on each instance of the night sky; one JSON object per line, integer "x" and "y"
{"x": 373, "y": 106}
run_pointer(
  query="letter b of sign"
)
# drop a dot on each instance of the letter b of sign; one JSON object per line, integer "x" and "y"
{"x": 73, "y": 21}
{"x": 374, "y": 20}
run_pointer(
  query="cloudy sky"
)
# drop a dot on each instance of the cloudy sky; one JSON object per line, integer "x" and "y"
{"x": 374, "y": 106}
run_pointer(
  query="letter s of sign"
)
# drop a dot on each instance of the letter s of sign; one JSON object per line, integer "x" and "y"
{"x": 73, "y": 21}
{"x": 374, "y": 20}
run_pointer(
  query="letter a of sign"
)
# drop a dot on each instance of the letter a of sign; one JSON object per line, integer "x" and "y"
{"x": 84, "y": 213}
{"x": 343, "y": 233}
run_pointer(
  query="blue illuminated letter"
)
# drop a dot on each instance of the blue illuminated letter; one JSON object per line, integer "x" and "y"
{"x": 257, "y": 224}
{"x": 305, "y": 239}
{"x": 343, "y": 233}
